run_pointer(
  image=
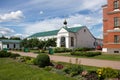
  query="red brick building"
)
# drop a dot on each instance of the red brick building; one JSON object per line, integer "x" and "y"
{"x": 111, "y": 26}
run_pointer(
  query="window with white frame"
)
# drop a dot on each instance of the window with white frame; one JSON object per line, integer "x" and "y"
{"x": 116, "y": 38}
{"x": 116, "y": 4}
{"x": 116, "y": 22}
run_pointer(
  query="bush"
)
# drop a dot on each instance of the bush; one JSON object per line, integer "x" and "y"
{"x": 92, "y": 75}
{"x": 83, "y": 49}
{"x": 61, "y": 49}
{"x": 48, "y": 68}
{"x": 30, "y": 61}
{"x": 73, "y": 70}
{"x": 107, "y": 73}
{"x": 14, "y": 55}
{"x": 4, "y": 53}
{"x": 42, "y": 60}
{"x": 87, "y": 54}
{"x": 24, "y": 59}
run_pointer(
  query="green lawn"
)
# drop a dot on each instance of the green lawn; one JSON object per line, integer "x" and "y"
{"x": 13, "y": 70}
{"x": 113, "y": 57}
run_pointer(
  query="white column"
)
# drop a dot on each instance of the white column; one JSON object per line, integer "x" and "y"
{"x": 67, "y": 41}
{"x": 58, "y": 41}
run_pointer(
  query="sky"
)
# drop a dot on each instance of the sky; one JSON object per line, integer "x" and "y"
{"x": 22, "y": 18}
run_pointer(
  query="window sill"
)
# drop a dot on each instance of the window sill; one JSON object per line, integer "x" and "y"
{"x": 114, "y": 11}
{"x": 115, "y": 43}
{"x": 114, "y": 30}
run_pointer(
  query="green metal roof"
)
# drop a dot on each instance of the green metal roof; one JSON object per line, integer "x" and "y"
{"x": 47, "y": 33}
{"x": 10, "y": 41}
{"x": 54, "y": 32}
{"x": 73, "y": 29}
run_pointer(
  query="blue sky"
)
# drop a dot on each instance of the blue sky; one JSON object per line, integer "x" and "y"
{"x": 25, "y": 17}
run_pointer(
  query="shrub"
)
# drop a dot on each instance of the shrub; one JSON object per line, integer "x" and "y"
{"x": 4, "y": 53}
{"x": 92, "y": 75}
{"x": 42, "y": 60}
{"x": 83, "y": 49}
{"x": 48, "y": 68}
{"x": 29, "y": 61}
{"x": 61, "y": 49}
{"x": 73, "y": 70}
{"x": 107, "y": 73}
{"x": 24, "y": 59}
{"x": 14, "y": 55}
{"x": 87, "y": 54}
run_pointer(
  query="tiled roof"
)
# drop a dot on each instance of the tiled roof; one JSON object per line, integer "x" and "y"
{"x": 10, "y": 41}
{"x": 54, "y": 32}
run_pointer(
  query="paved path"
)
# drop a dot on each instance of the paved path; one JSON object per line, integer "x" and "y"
{"x": 84, "y": 61}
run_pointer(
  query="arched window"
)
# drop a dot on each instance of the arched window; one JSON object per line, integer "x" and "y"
{"x": 62, "y": 41}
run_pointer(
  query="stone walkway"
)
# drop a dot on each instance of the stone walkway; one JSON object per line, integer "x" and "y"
{"x": 83, "y": 61}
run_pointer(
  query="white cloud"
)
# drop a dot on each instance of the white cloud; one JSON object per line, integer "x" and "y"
{"x": 11, "y": 16}
{"x": 62, "y": 6}
{"x": 57, "y": 23}
{"x": 20, "y": 35}
{"x": 6, "y": 31}
{"x": 41, "y": 12}
{"x": 58, "y": 8}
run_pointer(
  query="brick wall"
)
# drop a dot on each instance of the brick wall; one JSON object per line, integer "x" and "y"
{"x": 108, "y": 25}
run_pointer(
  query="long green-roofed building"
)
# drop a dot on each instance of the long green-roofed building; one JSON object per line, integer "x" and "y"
{"x": 73, "y": 37}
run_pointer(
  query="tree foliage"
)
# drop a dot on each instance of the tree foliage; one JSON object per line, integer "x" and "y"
{"x": 35, "y": 43}
{"x": 3, "y": 37}
{"x": 15, "y": 38}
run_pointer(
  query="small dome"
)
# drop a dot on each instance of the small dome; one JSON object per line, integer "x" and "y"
{"x": 65, "y": 22}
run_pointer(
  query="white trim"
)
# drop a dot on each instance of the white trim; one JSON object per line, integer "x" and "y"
{"x": 115, "y": 30}
{"x": 116, "y": 9}
{"x": 104, "y": 49}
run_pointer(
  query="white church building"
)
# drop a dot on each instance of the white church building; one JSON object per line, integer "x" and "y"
{"x": 74, "y": 37}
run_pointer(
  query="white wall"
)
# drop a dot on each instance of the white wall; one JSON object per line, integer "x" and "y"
{"x": 63, "y": 33}
{"x": 17, "y": 46}
{"x": 74, "y": 36}
{"x": 85, "y": 38}
{"x": 47, "y": 37}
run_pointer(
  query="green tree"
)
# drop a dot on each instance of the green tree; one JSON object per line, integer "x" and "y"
{"x": 3, "y": 37}
{"x": 15, "y": 38}
{"x": 34, "y": 42}
{"x": 24, "y": 43}
{"x": 51, "y": 42}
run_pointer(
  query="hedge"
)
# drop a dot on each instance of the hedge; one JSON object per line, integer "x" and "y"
{"x": 83, "y": 49}
{"x": 61, "y": 49}
{"x": 87, "y": 54}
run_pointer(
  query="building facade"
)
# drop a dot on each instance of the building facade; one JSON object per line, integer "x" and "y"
{"x": 111, "y": 26}
{"x": 9, "y": 44}
{"x": 74, "y": 37}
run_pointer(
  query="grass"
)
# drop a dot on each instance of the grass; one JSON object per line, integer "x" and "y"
{"x": 13, "y": 70}
{"x": 113, "y": 57}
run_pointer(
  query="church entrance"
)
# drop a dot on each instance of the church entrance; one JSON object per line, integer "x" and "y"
{"x": 63, "y": 42}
